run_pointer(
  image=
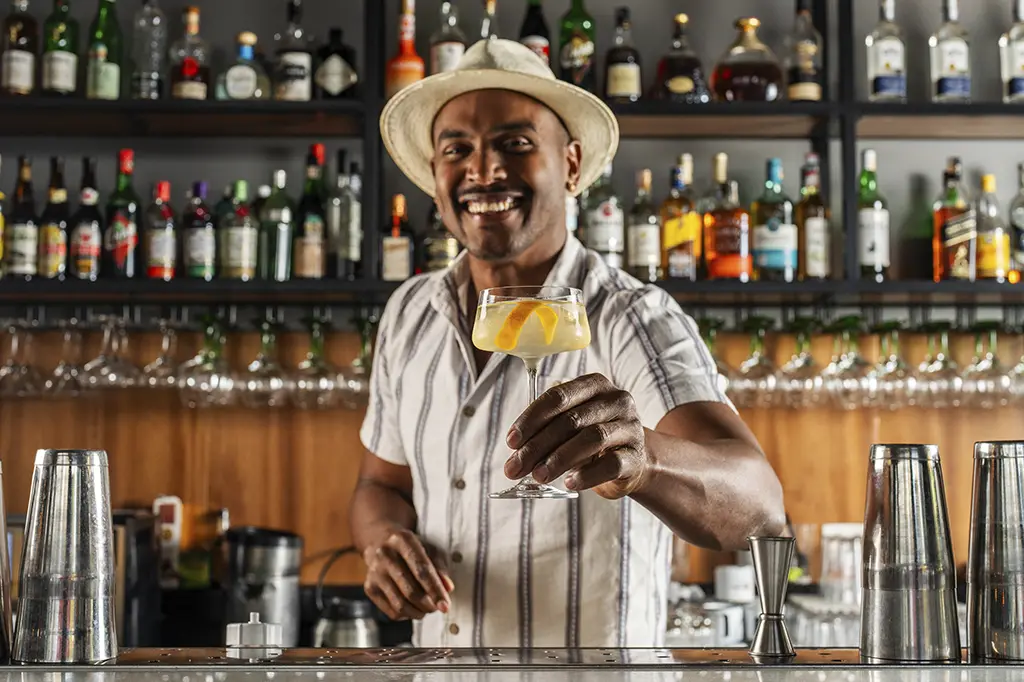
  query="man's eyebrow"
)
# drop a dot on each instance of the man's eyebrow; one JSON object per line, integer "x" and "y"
{"x": 450, "y": 134}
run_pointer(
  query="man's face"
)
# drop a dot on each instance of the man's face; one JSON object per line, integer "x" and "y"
{"x": 501, "y": 165}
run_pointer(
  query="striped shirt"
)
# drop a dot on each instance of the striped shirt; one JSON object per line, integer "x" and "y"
{"x": 584, "y": 573}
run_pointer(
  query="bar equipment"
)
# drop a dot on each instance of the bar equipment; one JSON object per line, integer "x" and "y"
{"x": 253, "y": 640}
{"x": 909, "y": 610}
{"x": 6, "y": 632}
{"x": 66, "y": 592}
{"x": 995, "y": 568}
{"x": 772, "y": 558}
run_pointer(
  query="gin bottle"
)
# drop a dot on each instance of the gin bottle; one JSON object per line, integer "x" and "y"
{"x": 1011, "y": 56}
{"x": 950, "y": 57}
{"x": 887, "y": 69}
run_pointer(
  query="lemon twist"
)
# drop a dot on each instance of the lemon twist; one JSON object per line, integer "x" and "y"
{"x": 508, "y": 335}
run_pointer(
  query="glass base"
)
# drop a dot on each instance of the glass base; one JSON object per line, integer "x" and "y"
{"x": 531, "y": 490}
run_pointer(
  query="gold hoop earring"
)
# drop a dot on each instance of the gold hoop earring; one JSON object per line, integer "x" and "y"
{"x": 571, "y": 186}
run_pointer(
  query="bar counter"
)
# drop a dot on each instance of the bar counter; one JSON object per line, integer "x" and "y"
{"x": 495, "y": 665}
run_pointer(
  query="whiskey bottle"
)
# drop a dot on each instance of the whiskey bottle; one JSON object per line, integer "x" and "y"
{"x": 804, "y": 53}
{"x": 53, "y": 226}
{"x": 623, "y": 82}
{"x": 190, "y": 61}
{"x": 949, "y": 54}
{"x": 681, "y": 242}
{"x": 872, "y": 222}
{"x": 160, "y": 235}
{"x": 643, "y": 234}
{"x": 576, "y": 49}
{"x": 1016, "y": 212}
{"x": 448, "y": 43}
{"x": 21, "y": 237}
{"x": 775, "y": 232}
{"x": 604, "y": 221}
{"x": 85, "y": 242}
{"x": 727, "y": 237}
{"x": 680, "y": 76}
{"x": 397, "y": 246}
{"x": 955, "y": 229}
{"x": 886, "y": 57}
{"x": 748, "y": 71}
{"x": 534, "y": 32}
{"x": 20, "y": 45}
{"x": 1011, "y": 56}
{"x": 812, "y": 224}
{"x": 60, "y": 51}
{"x": 994, "y": 257}
{"x": 406, "y": 67}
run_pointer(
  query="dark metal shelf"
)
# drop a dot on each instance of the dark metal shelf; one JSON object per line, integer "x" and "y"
{"x": 662, "y": 119}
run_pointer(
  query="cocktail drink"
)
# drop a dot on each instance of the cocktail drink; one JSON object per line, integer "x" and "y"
{"x": 531, "y": 323}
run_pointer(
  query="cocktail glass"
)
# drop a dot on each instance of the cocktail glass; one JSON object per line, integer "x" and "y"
{"x": 531, "y": 323}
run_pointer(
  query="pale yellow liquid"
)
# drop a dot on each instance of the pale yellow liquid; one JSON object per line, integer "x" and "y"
{"x": 572, "y": 330}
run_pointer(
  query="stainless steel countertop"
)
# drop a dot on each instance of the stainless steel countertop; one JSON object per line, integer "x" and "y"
{"x": 497, "y": 665}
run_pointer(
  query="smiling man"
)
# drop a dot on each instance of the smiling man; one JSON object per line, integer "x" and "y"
{"x": 636, "y": 421}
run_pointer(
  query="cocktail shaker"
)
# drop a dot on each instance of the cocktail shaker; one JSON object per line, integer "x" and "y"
{"x": 995, "y": 567}
{"x": 66, "y": 595}
{"x": 908, "y": 612}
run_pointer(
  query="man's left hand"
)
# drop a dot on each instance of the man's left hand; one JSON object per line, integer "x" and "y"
{"x": 586, "y": 427}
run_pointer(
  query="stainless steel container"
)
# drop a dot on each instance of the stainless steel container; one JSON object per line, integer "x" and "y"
{"x": 909, "y": 609}
{"x": 995, "y": 568}
{"x": 347, "y": 624}
{"x": 263, "y": 577}
{"x": 66, "y": 594}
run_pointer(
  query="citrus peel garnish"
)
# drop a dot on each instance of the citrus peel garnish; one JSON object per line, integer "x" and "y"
{"x": 508, "y": 335}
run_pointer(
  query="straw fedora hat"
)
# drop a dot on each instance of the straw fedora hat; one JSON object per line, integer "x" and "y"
{"x": 407, "y": 119}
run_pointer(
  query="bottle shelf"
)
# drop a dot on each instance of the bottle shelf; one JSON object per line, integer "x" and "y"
{"x": 939, "y": 121}
{"x": 661, "y": 119}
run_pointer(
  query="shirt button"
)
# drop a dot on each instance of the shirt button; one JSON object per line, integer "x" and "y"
{"x": 468, "y": 411}
{"x": 457, "y": 557}
{"x": 460, "y": 484}
{"x": 453, "y": 628}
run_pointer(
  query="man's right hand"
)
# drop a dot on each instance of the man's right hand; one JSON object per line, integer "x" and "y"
{"x": 406, "y": 577}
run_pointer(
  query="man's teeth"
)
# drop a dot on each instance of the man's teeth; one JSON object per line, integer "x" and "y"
{"x": 481, "y": 207}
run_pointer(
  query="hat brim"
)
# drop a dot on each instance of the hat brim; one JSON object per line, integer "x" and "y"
{"x": 408, "y": 117}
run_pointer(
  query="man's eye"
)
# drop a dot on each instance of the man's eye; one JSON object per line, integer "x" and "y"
{"x": 518, "y": 143}
{"x": 454, "y": 150}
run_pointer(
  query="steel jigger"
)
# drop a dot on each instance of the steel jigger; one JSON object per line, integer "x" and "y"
{"x": 772, "y": 557}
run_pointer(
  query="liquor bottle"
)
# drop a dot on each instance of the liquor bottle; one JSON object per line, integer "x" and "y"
{"x": 345, "y": 224}
{"x": 448, "y": 43}
{"x": 775, "y": 233}
{"x": 160, "y": 235}
{"x": 622, "y": 80}
{"x": 949, "y": 54}
{"x": 199, "y": 241}
{"x": 440, "y": 247}
{"x": 224, "y": 208}
{"x": 277, "y": 225}
{"x": 534, "y": 32}
{"x": 680, "y": 75}
{"x": 643, "y": 234}
{"x": 1016, "y": 212}
{"x": 53, "y": 226}
{"x": 149, "y": 41}
{"x": 245, "y": 78}
{"x": 20, "y": 46}
{"x": 309, "y": 251}
{"x": 263, "y": 193}
{"x": 748, "y": 71}
{"x": 994, "y": 256}
{"x": 681, "y": 245}
{"x": 293, "y": 81}
{"x": 872, "y": 222}
{"x": 121, "y": 234}
{"x": 1011, "y": 56}
{"x": 21, "y": 238}
{"x": 812, "y": 224}
{"x": 804, "y": 52}
{"x": 887, "y": 66}
{"x": 727, "y": 250}
{"x": 239, "y": 237}
{"x": 576, "y": 50}
{"x": 103, "y": 71}
{"x": 336, "y": 75}
{"x": 604, "y": 228}
{"x": 60, "y": 51}
{"x": 190, "y": 61}
{"x": 955, "y": 229}
{"x": 85, "y": 244}
{"x": 406, "y": 67}
{"x": 489, "y": 24}
{"x": 397, "y": 251}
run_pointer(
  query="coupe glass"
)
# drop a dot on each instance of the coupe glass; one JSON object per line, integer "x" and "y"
{"x": 851, "y": 386}
{"x": 941, "y": 382}
{"x": 895, "y": 383}
{"x": 755, "y": 382}
{"x": 316, "y": 380}
{"x": 210, "y": 381}
{"x": 163, "y": 372}
{"x": 18, "y": 378}
{"x": 799, "y": 381}
{"x": 265, "y": 383}
{"x": 709, "y": 330}
{"x": 531, "y": 323}
{"x": 67, "y": 379}
{"x": 987, "y": 384}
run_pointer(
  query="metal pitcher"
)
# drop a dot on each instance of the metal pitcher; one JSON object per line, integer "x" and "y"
{"x": 343, "y": 623}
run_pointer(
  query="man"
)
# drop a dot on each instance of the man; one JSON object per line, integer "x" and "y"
{"x": 635, "y": 422}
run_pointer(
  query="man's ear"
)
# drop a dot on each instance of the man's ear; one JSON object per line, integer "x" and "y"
{"x": 574, "y": 159}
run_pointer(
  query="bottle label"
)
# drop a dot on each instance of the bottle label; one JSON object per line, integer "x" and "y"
{"x": 888, "y": 68}
{"x": 18, "y": 71}
{"x": 681, "y": 241}
{"x": 295, "y": 77}
{"x": 189, "y": 90}
{"x": 445, "y": 57}
{"x": 85, "y": 250}
{"x": 1014, "y": 58}
{"x": 403, "y": 73}
{"x": 335, "y": 76}
{"x": 102, "y": 78}
{"x": 60, "y": 71}
{"x": 540, "y": 45}
{"x": 577, "y": 59}
{"x": 22, "y": 247}
{"x": 396, "y": 264}
{"x": 121, "y": 238}
{"x": 89, "y": 196}
{"x": 731, "y": 259}
{"x": 953, "y": 72}
{"x": 644, "y": 245}
{"x": 775, "y": 245}
{"x": 606, "y": 227}
{"x": 816, "y": 246}
{"x": 161, "y": 247}
{"x": 441, "y": 253}
{"x": 240, "y": 82}
{"x": 680, "y": 85}
{"x": 239, "y": 259}
{"x": 53, "y": 251}
{"x": 309, "y": 249}
{"x": 873, "y": 237}
{"x": 1017, "y": 223}
{"x": 200, "y": 251}
{"x": 993, "y": 254}
{"x": 623, "y": 80}
{"x": 958, "y": 231}
{"x": 804, "y": 78}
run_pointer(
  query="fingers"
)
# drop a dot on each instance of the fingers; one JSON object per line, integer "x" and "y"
{"x": 553, "y": 402}
{"x": 408, "y": 545}
{"x": 618, "y": 466}
{"x": 407, "y": 584}
{"x": 386, "y": 595}
{"x": 404, "y": 580}
{"x": 584, "y": 447}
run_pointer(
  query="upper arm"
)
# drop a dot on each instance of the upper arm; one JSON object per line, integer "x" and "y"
{"x": 380, "y": 432}
{"x": 706, "y": 422}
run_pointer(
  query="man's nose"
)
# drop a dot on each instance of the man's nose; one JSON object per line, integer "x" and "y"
{"x": 486, "y": 167}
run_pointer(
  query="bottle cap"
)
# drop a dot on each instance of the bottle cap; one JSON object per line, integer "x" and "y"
{"x": 398, "y": 206}
{"x": 247, "y": 38}
{"x": 869, "y": 160}
{"x": 682, "y": 19}
{"x": 199, "y": 189}
{"x": 126, "y": 161}
{"x": 163, "y": 191}
{"x": 988, "y": 184}
{"x": 318, "y": 153}
{"x": 280, "y": 179}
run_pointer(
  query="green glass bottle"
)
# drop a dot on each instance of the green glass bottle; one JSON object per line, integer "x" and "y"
{"x": 121, "y": 236}
{"x": 238, "y": 238}
{"x": 60, "y": 51}
{"x": 277, "y": 220}
{"x": 103, "y": 72}
{"x": 309, "y": 250}
{"x": 577, "y": 52}
{"x": 872, "y": 222}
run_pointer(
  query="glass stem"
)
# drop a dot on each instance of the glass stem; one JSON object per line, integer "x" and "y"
{"x": 532, "y": 369}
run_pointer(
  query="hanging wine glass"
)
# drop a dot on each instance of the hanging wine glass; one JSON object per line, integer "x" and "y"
{"x": 709, "y": 327}
{"x": 941, "y": 382}
{"x": 264, "y": 382}
{"x": 316, "y": 381}
{"x": 68, "y": 378}
{"x": 128, "y": 373}
{"x": 895, "y": 383}
{"x": 354, "y": 380}
{"x": 830, "y": 384}
{"x": 1017, "y": 378}
{"x": 986, "y": 383}
{"x": 799, "y": 381}
{"x": 210, "y": 382}
{"x": 103, "y": 371}
{"x": 163, "y": 372}
{"x": 19, "y": 379}
{"x": 852, "y": 384}
{"x": 755, "y": 382}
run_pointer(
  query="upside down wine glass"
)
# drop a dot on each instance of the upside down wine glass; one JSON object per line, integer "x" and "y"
{"x": 531, "y": 323}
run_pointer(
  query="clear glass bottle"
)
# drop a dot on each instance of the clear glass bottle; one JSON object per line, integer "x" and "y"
{"x": 886, "y": 57}
{"x": 604, "y": 229}
{"x": 994, "y": 257}
{"x": 643, "y": 234}
{"x": 190, "y": 61}
{"x": 245, "y": 78}
{"x": 775, "y": 234}
{"x": 680, "y": 76}
{"x": 293, "y": 81}
{"x": 448, "y": 43}
{"x": 1016, "y": 212}
{"x": 149, "y": 40}
{"x": 950, "y": 57}
{"x": 749, "y": 70}
{"x": 872, "y": 222}
{"x": 345, "y": 223}
{"x": 804, "y": 52}
{"x": 623, "y": 82}
{"x": 1011, "y": 56}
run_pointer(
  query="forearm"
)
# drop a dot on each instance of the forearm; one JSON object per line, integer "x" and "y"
{"x": 377, "y": 511}
{"x": 712, "y": 494}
